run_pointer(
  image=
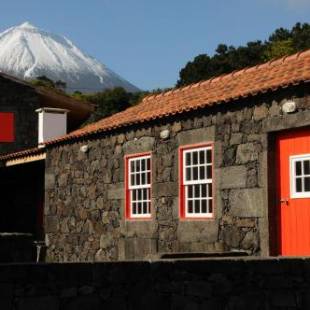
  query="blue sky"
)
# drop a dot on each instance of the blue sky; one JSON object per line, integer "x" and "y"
{"x": 148, "y": 42}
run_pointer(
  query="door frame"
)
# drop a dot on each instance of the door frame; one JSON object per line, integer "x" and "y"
{"x": 274, "y": 217}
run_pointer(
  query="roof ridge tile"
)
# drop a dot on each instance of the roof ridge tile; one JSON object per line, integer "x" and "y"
{"x": 261, "y": 78}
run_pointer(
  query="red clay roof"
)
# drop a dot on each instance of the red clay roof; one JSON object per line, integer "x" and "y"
{"x": 280, "y": 73}
{"x": 79, "y": 110}
{"x": 289, "y": 70}
{"x": 23, "y": 153}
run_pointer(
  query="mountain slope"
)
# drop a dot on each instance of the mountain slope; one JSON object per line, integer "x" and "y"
{"x": 28, "y": 52}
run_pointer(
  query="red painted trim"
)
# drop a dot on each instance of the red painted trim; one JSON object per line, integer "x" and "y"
{"x": 182, "y": 213}
{"x": 7, "y": 130}
{"x": 127, "y": 191}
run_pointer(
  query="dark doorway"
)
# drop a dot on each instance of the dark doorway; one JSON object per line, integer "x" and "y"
{"x": 22, "y": 198}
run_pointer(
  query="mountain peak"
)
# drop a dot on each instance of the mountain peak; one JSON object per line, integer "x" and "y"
{"x": 28, "y": 52}
{"x": 26, "y": 25}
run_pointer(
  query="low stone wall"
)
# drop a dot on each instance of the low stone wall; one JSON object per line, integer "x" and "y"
{"x": 189, "y": 284}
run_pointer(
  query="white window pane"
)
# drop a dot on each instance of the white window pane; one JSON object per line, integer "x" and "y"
{"x": 307, "y": 184}
{"x": 188, "y": 173}
{"x": 132, "y": 166}
{"x": 204, "y": 190}
{"x": 209, "y": 157}
{"x": 132, "y": 180}
{"x": 307, "y": 167}
{"x": 204, "y": 203}
{"x": 202, "y": 174}
{"x": 209, "y": 190}
{"x": 143, "y": 166}
{"x": 190, "y": 191}
{"x": 188, "y": 159}
{"x": 298, "y": 168}
{"x": 210, "y": 206}
{"x": 134, "y": 208}
{"x": 195, "y": 158}
{"x": 298, "y": 185}
{"x": 190, "y": 206}
{"x": 202, "y": 157}
{"x": 197, "y": 191}
{"x": 139, "y": 194}
{"x": 139, "y": 178}
{"x": 143, "y": 181}
{"x": 197, "y": 206}
{"x": 144, "y": 211}
{"x": 209, "y": 172}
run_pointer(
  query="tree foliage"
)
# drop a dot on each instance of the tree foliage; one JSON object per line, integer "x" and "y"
{"x": 109, "y": 101}
{"x": 44, "y": 81}
{"x": 229, "y": 58}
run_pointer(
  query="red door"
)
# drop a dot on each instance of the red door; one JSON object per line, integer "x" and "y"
{"x": 293, "y": 197}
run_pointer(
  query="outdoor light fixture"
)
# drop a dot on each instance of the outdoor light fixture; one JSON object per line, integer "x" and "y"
{"x": 164, "y": 134}
{"x": 84, "y": 148}
{"x": 289, "y": 106}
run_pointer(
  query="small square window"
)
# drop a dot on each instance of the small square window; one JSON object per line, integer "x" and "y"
{"x": 7, "y": 133}
{"x": 300, "y": 176}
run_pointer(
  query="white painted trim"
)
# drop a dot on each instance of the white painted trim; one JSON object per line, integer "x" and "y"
{"x": 146, "y": 186}
{"x": 196, "y": 182}
{"x": 292, "y": 174}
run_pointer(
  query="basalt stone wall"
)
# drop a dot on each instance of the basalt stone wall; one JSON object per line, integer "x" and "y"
{"x": 22, "y": 101}
{"x": 85, "y": 195}
{"x": 208, "y": 284}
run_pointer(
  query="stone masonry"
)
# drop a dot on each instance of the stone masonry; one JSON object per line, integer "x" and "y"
{"x": 221, "y": 284}
{"x": 85, "y": 194}
{"x": 22, "y": 101}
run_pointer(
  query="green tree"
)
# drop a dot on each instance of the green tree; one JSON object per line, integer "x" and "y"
{"x": 43, "y": 81}
{"x": 227, "y": 59}
{"x": 301, "y": 36}
{"x": 110, "y": 101}
{"x": 278, "y": 49}
{"x": 61, "y": 85}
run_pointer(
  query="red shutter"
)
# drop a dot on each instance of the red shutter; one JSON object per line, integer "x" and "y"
{"x": 7, "y": 127}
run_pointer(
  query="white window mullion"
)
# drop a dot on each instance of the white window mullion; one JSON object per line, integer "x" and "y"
{"x": 196, "y": 161}
{"x": 299, "y": 176}
{"x": 139, "y": 167}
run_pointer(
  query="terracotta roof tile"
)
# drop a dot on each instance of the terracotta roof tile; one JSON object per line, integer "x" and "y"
{"x": 289, "y": 70}
{"x": 23, "y": 153}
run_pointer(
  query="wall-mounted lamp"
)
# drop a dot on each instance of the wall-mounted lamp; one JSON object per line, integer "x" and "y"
{"x": 84, "y": 148}
{"x": 164, "y": 134}
{"x": 289, "y": 106}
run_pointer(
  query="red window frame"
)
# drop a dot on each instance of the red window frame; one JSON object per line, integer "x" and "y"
{"x": 128, "y": 211}
{"x": 7, "y": 132}
{"x": 182, "y": 185}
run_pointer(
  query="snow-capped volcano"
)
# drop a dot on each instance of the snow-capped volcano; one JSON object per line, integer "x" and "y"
{"x": 28, "y": 52}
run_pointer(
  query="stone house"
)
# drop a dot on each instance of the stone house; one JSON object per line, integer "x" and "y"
{"x": 218, "y": 166}
{"x": 18, "y": 120}
{"x": 27, "y": 115}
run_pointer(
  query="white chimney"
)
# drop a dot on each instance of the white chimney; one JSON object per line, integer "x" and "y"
{"x": 52, "y": 123}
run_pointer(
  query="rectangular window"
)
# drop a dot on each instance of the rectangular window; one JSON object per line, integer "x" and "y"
{"x": 300, "y": 176}
{"x": 196, "y": 186}
{"x": 138, "y": 186}
{"x": 7, "y": 133}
